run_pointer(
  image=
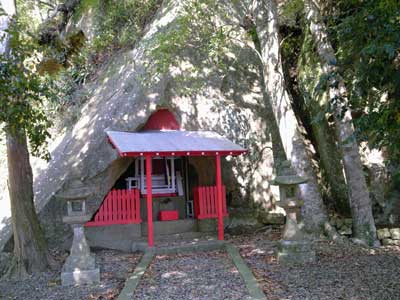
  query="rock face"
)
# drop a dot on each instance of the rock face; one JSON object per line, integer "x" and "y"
{"x": 5, "y": 259}
{"x": 229, "y": 103}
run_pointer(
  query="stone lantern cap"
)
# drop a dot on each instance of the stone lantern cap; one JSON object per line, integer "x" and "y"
{"x": 286, "y": 175}
{"x": 75, "y": 190}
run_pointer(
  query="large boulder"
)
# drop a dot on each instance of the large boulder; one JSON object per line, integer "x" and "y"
{"x": 230, "y": 103}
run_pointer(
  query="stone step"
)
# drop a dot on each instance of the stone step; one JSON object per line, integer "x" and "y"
{"x": 171, "y": 227}
{"x": 184, "y": 236}
{"x": 180, "y": 244}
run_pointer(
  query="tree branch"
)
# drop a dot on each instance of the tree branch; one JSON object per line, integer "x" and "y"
{"x": 54, "y": 25}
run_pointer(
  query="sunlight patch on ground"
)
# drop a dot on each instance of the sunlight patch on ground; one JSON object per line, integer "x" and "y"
{"x": 256, "y": 251}
{"x": 176, "y": 274}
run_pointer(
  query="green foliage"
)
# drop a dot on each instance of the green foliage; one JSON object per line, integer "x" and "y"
{"x": 367, "y": 37}
{"x": 116, "y": 25}
{"x": 23, "y": 91}
{"x": 291, "y": 12}
{"x": 84, "y": 6}
{"x": 120, "y": 23}
{"x": 194, "y": 41}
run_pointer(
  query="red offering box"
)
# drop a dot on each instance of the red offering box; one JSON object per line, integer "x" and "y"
{"x": 168, "y": 215}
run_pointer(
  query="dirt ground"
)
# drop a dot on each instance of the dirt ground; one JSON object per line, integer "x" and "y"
{"x": 340, "y": 272}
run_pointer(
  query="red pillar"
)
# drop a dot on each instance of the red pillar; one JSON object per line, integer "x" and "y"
{"x": 219, "y": 197}
{"x": 149, "y": 202}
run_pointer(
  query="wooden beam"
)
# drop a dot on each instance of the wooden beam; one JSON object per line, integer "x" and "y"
{"x": 173, "y": 173}
{"x": 219, "y": 197}
{"x": 149, "y": 202}
{"x": 181, "y": 153}
{"x": 142, "y": 188}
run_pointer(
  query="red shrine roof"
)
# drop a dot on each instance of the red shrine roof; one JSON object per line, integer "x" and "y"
{"x": 173, "y": 142}
{"x": 162, "y": 119}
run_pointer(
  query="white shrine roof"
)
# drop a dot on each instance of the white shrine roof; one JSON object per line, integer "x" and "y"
{"x": 173, "y": 142}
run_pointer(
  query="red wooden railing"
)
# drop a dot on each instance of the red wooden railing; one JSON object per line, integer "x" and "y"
{"x": 205, "y": 202}
{"x": 118, "y": 207}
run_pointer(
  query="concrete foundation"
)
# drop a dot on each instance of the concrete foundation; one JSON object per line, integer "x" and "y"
{"x": 117, "y": 237}
{"x": 121, "y": 237}
{"x": 209, "y": 225}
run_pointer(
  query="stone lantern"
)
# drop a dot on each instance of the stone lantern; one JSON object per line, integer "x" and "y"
{"x": 293, "y": 248}
{"x": 79, "y": 268}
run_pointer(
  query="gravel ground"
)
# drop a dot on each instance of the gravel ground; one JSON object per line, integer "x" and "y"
{"x": 340, "y": 272}
{"x": 204, "y": 275}
{"x": 114, "y": 269}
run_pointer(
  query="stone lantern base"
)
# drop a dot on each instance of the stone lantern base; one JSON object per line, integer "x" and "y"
{"x": 295, "y": 252}
{"x": 80, "y": 277}
{"x": 80, "y": 267}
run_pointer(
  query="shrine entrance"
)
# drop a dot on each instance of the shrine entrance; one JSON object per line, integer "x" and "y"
{"x": 155, "y": 187}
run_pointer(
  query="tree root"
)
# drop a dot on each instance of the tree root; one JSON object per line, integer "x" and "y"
{"x": 15, "y": 270}
{"x": 333, "y": 235}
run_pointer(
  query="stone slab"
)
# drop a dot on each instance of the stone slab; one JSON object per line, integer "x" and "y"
{"x": 390, "y": 242}
{"x": 383, "y": 233}
{"x": 171, "y": 227}
{"x": 80, "y": 277}
{"x": 395, "y": 233}
{"x": 295, "y": 252}
{"x": 191, "y": 247}
{"x": 251, "y": 283}
{"x": 339, "y": 223}
{"x": 133, "y": 281}
{"x": 294, "y": 246}
{"x": 345, "y": 230}
{"x": 271, "y": 218}
{"x": 77, "y": 219}
{"x": 348, "y": 222}
{"x": 296, "y": 258}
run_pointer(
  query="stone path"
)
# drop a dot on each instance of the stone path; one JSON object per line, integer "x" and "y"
{"x": 201, "y": 275}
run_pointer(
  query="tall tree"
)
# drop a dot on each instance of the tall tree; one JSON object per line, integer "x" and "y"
{"x": 360, "y": 202}
{"x": 264, "y": 29}
{"x": 21, "y": 115}
{"x": 266, "y": 25}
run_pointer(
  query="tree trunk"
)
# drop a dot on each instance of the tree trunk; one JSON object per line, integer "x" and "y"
{"x": 323, "y": 133}
{"x": 30, "y": 247}
{"x": 360, "y": 203}
{"x": 278, "y": 150}
{"x": 56, "y": 23}
{"x": 315, "y": 215}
